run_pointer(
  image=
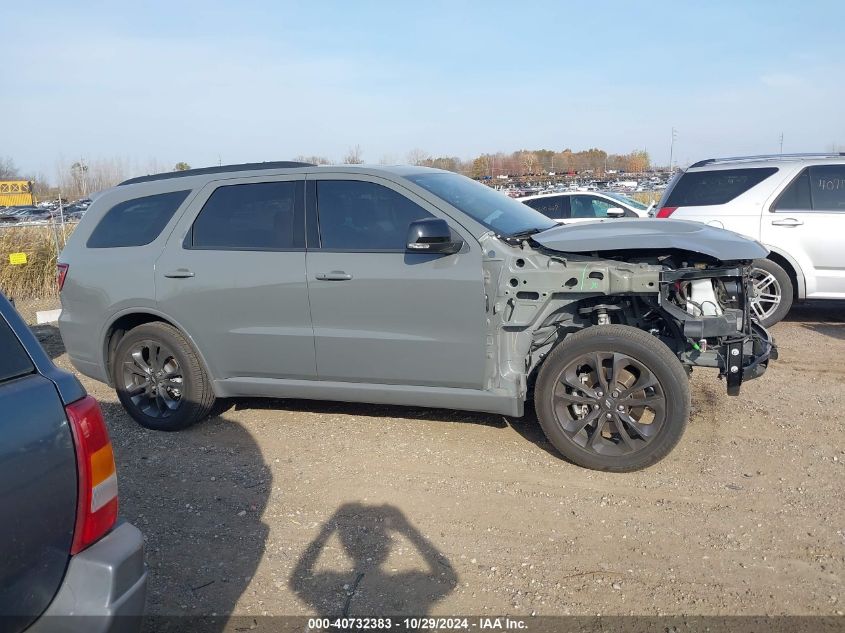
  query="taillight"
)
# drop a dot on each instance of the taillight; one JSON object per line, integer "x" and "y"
{"x": 61, "y": 273}
{"x": 96, "y": 510}
{"x": 665, "y": 212}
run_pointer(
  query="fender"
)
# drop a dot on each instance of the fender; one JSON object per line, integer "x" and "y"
{"x": 799, "y": 273}
{"x": 146, "y": 310}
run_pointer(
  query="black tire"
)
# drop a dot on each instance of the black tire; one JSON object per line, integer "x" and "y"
{"x": 770, "y": 280}
{"x": 176, "y": 391}
{"x": 622, "y": 437}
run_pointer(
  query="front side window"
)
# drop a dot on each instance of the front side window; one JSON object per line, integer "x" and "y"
{"x": 796, "y": 197}
{"x": 262, "y": 216}
{"x": 554, "y": 207}
{"x": 717, "y": 186}
{"x": 364, "y": 216}
{"x": 136, "y": 222}
{"x": 630, "y": 202}
{"x": 590, "y": 207}
{"x": 827, "y": 187}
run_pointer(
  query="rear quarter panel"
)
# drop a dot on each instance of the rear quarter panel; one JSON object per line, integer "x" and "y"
{"x": 103, "y": 282}
{"x": 742, "y": 214}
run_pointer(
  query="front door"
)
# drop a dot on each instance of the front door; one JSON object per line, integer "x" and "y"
{"x": 807, "y": 221}
{"x": 382, "y": 315}
{"x": 233, "y": 276}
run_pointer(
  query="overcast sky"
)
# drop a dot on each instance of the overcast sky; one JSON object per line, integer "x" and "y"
{"x": 253, "y": 81}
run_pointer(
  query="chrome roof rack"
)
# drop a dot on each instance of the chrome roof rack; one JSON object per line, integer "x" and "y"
{"x": 222, "y": 169}
{"x": 731, "y": 159}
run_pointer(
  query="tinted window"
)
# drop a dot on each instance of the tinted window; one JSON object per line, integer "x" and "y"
{"x": 704, "y": 188}
{"x": 827, "y": 186}
{"x": 554, "y": 207}
{"x": 797, "y": 195}
{"x": 357, "y": 215}
{"x": 14, "y": 361}
{"x": 259, "y": 216}
{"x": 136, "y": 222}
{"x": 486, "y": 206}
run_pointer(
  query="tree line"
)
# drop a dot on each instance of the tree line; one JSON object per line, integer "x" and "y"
{"x": 78, "y": 178}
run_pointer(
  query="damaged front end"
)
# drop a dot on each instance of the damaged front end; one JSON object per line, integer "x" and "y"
{"x": 697, "y": 304}
{"x": 712, "y": 308}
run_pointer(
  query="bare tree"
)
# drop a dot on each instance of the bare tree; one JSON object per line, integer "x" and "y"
{"x": 8, "y": 170}
{"x": 316, "y": 160}
{"x": 417, "y": 156}
{"x": 353, "y": 156}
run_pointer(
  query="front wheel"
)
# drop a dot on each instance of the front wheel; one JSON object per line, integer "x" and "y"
{"x": 771, "y": 295}
{"x": 612, "y": 397}
{"x": 159, "y": 378}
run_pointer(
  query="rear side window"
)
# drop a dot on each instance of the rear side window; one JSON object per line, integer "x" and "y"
{"x": 264, "y": 216}
{"x": 364, "y": 216}
{"x": 554, "y": 207}
{"x": 14, "y": 361}
{"x": 705, "y": 188}
{"x": 136, "y": 222}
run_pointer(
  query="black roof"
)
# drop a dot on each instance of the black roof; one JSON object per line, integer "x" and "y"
{"x": 217, "y": 170}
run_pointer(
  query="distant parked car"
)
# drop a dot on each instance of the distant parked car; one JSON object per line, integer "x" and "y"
{"x": 567, "y": 207}
{"x": 793, "y": 204}
{"x": 63, "y": 549}
{"x": 25, "y": 214}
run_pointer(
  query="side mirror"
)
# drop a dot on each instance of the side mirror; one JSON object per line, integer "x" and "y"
{"x": 432, "y": 235}
{"x": 615, "y": 212}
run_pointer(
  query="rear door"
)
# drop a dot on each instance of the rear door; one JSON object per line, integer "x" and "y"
{"x": 382, "y": 315}
{"x": 807, "y": 220}
{"x": 37, "y": 486}
{"x": 233, "y": 277}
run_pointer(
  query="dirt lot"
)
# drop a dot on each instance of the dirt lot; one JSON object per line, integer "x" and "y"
{"x": 298, "y": 507}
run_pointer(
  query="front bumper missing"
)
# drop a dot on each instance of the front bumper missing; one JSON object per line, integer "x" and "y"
{"x": 747, "y": 357}
{"x": 742, "y": 348}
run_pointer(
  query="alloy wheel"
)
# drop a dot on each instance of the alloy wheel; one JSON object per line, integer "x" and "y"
{"x": 766, "y": 294}
{"x": 609, "y": 403}
{"x": 153, "y": 379}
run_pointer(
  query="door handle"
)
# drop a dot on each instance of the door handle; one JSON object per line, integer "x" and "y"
{"x": 787, "y": 222}
{"x": 335, "y": 275}
{"x": 179, "y": 273}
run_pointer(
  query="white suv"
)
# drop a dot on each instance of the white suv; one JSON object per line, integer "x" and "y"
{"x": 793, "y": 203}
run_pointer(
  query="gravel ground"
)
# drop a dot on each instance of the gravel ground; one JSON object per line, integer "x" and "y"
{"x": 299, "y": 507}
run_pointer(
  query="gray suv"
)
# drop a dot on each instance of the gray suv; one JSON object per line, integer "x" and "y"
{"x": 404, "y": 285}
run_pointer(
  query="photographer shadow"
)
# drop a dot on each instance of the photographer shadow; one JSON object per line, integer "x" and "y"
{"x": 368, "y": 534}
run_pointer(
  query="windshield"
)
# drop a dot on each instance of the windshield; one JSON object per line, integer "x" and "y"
{"x": 625, "y": 199}
{"x": 486, "y": 206}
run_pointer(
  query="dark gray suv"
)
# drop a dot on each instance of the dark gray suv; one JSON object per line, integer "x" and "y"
{"x": 403, "y": 285}
{"x": 67, "y": 563}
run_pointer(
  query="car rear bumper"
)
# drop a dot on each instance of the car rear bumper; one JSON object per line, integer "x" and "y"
{"x": 104, "y": 588}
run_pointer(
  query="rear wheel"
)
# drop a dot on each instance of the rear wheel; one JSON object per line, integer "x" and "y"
{"x": 612, "y": 397}
{"x": 772, "y": 292}
{"x": 159, "y": 378}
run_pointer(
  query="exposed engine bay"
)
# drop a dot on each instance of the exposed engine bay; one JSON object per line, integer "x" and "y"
{"x": 696, "y": 304}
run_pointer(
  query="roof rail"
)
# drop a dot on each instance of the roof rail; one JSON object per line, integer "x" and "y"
{"x": 222, "y": 169}
{"x": 710, "y": 161}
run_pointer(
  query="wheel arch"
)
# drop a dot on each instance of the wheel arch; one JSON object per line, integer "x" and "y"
{"x": 127, "y": 320}
{"x": 792, "y": 269}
